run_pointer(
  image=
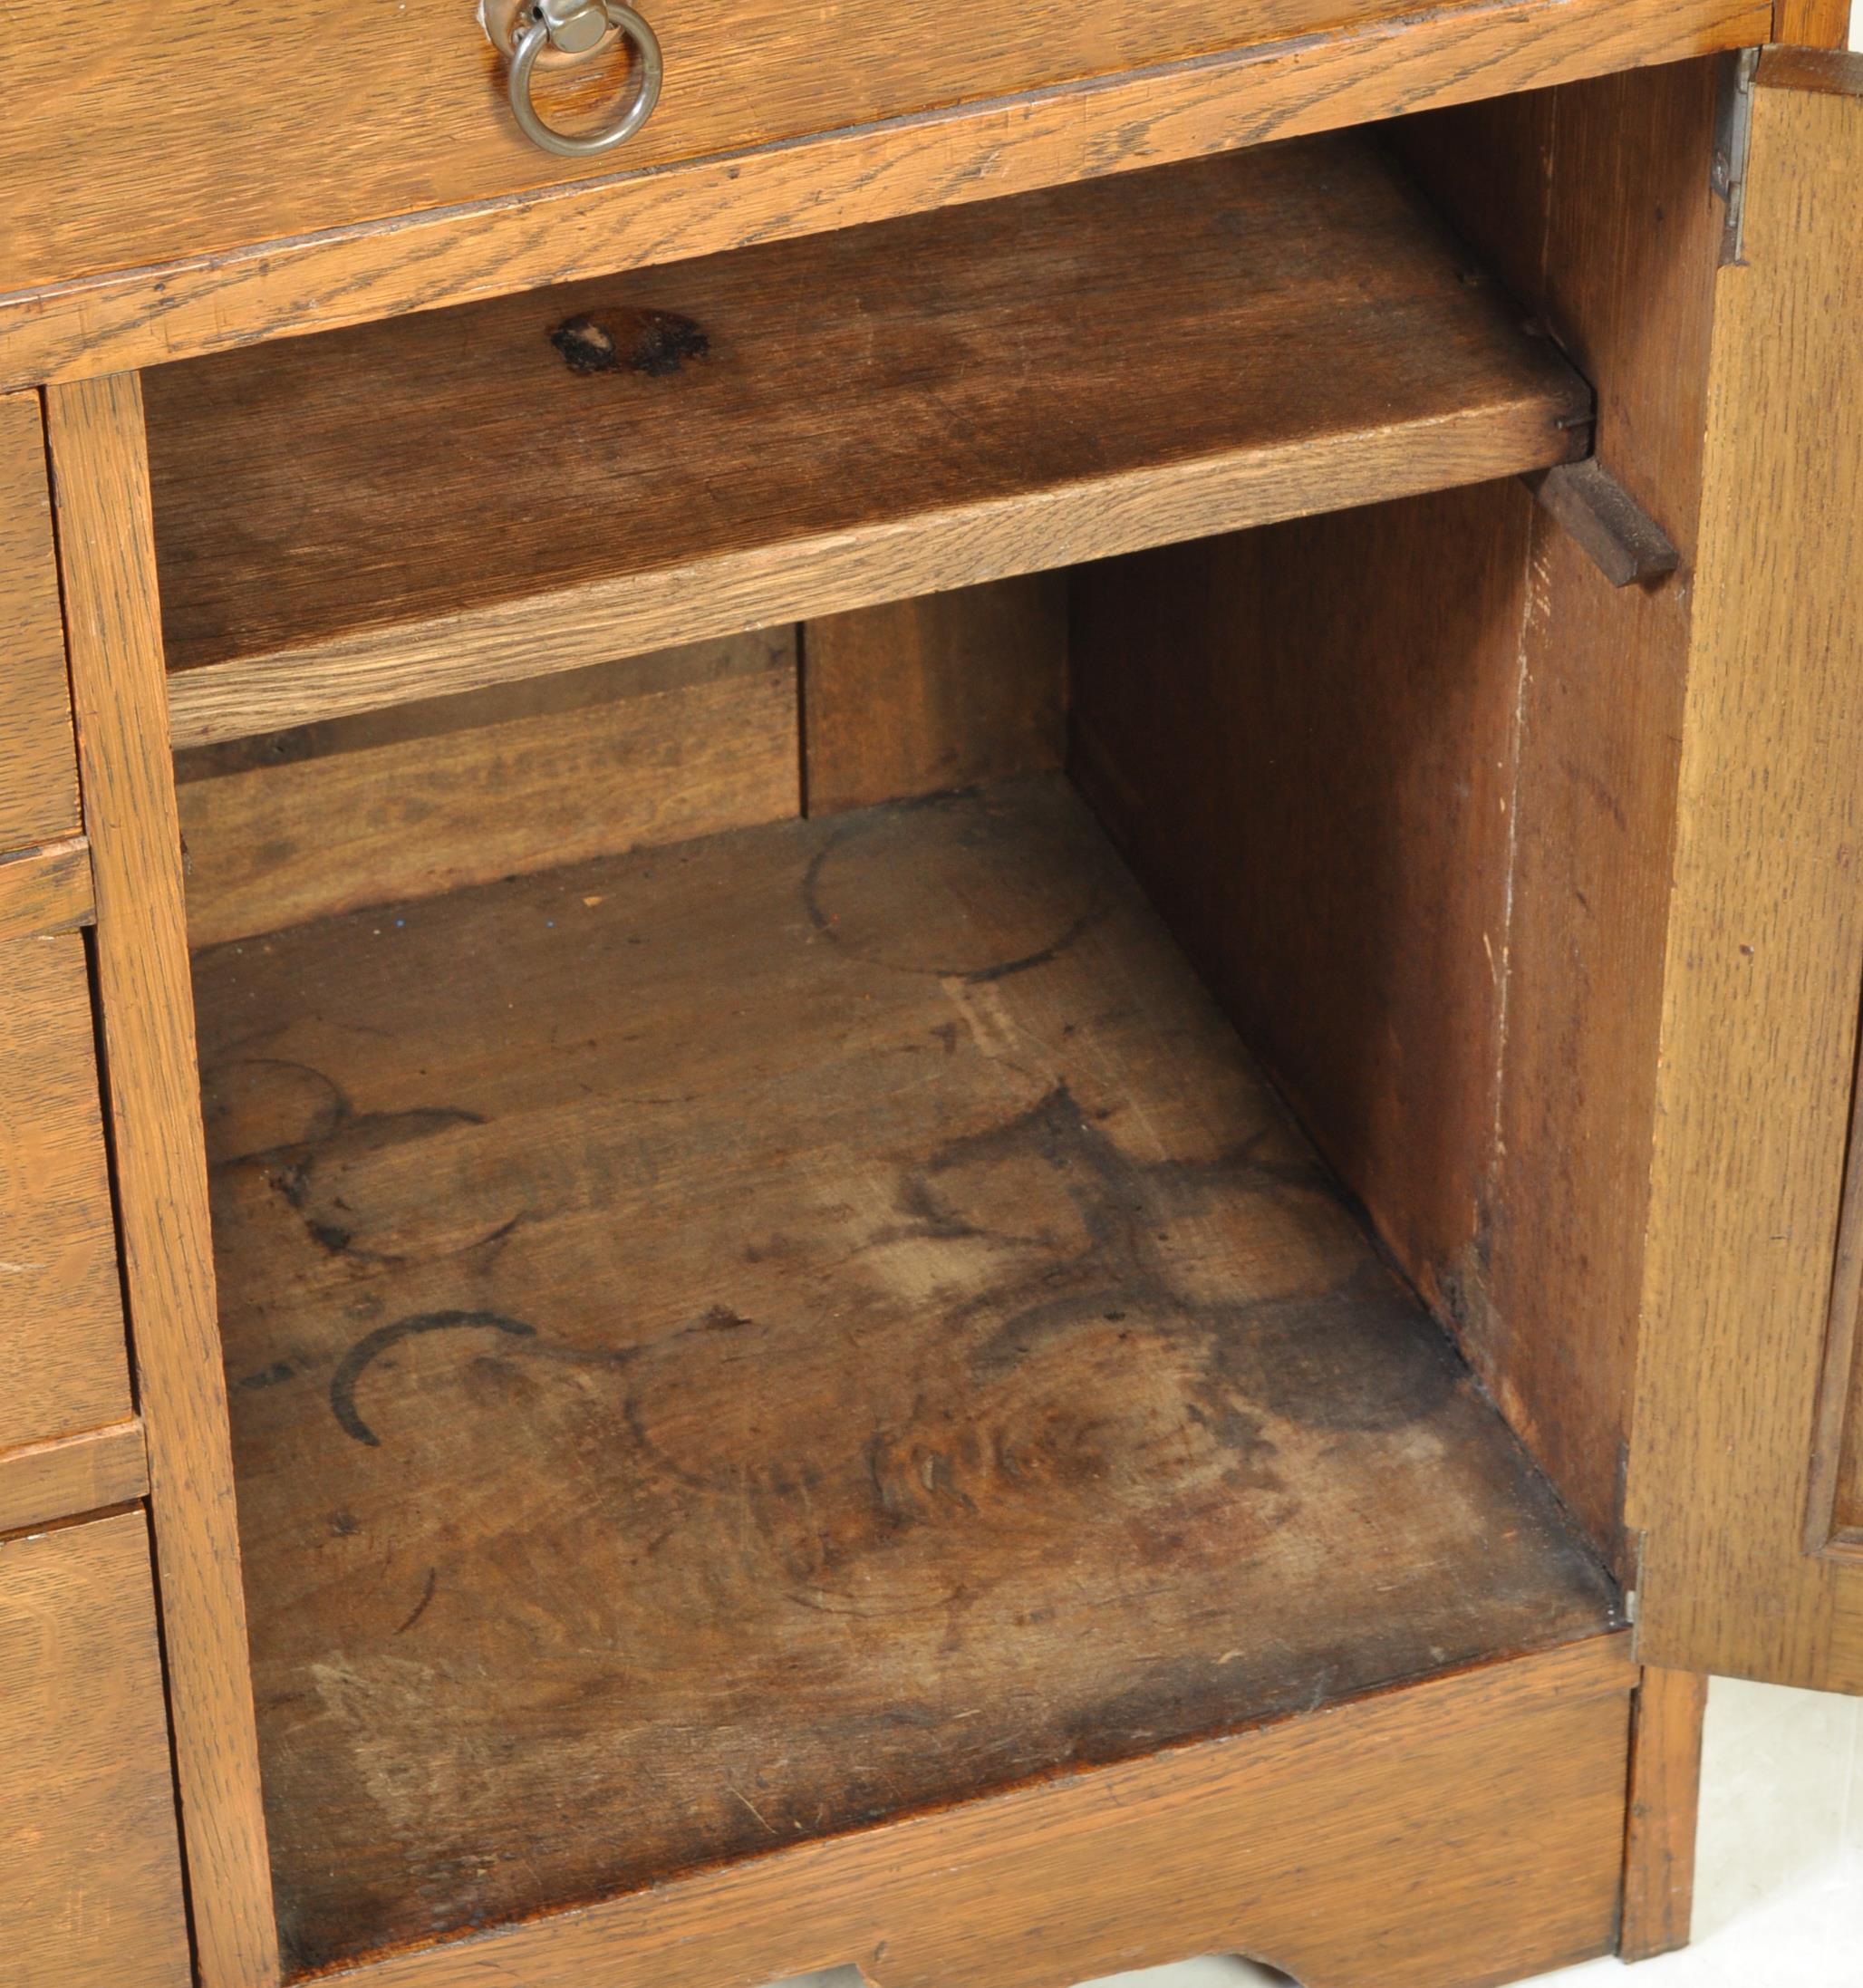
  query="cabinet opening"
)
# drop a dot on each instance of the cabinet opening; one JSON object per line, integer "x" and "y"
{"x": 742, "y": 1324}
{"x": 763, "y": 1291}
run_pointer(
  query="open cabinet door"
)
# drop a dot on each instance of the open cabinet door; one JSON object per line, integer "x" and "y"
{"x": 1746, "y": 1466}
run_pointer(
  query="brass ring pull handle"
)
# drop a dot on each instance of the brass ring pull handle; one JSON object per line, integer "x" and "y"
{"x": 573, "y": 27}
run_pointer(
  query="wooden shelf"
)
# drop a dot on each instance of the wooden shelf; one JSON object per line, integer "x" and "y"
{"x": 731, "y": 1344}
{"x": 445, "y": 501}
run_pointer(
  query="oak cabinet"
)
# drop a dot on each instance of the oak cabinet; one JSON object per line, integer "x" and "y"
{"x": 975, "y": 976}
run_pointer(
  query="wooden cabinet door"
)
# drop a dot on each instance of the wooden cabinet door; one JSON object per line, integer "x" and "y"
{"x": 1746, "y": 1466}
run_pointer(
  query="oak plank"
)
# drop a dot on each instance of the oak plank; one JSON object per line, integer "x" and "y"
{"x": 1014, "y": 387}
{"x": 70, "y": 1475}
{"x": 1666, "y": 1772}
{"x": 1449, "y": 1835}
{"x": 114, "y": 633}
{"x": 1810, "y": 24}
{"x": 338, "y": 273}
{"x": 38, "y": 774}
{"x": 1765, "y": 949}
{"x": 359, "y": 811}
{"x": 730, "y": 1345}
{"x": 925, "y": 696}
{"x": 90, "y": 1879}
{"x": 46, "y": 891}
{"x": 63, "y": 1363}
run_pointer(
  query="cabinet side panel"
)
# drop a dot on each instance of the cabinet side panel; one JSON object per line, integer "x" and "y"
{"x": 1303, "y": 736}
{"x": 1618, "y": 252}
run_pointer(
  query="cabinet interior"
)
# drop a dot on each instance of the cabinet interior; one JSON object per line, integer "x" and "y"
{"x": 890, "y": 1200}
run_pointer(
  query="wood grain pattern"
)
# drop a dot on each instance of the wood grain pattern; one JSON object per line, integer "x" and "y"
{"x": 338, "y": 274}
{"x": 176, "y": 168}
{"x": 622, "y": 1492}
{"x": 38, "y": 775}
{"x": 926, "y": 696}
{"x": 463, "y": 790}
{"x": 113, "y": 627}
{"x": 1451, "y": 1834}
{"x": 71, "y": 1475}
{"x": 46, "y": 891}
{"x": 1764, "y": 946}
{"x": 1624, "y": 240}
{"x": 64, "y": 1365}
{"x": 1666, "y": 1770}
{"x": 1306, "y": 738}
{"x": 89, "y": 1881}
{"x": 1011, "y": 387}
{"x": 1812, "y": 24}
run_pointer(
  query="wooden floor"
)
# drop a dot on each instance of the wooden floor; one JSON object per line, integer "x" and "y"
{"x": 735, "y": 1343}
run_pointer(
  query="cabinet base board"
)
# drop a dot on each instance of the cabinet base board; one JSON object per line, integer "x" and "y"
{"x": 1459, "y": 1833}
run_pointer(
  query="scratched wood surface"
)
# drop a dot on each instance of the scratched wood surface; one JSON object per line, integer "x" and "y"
{"x": 89, "y": 1877}
{"x": 448, "y": 500}
{"x": 1454, "y": 1833}
{"x": 342, "y": 272}
{"x": 732, "y": 1344}
{"x": 1589, "y": 201}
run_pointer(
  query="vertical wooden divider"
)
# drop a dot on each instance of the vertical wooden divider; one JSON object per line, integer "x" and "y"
{"x": 1665, "y": 1767}
{"x": 119, "y": 700}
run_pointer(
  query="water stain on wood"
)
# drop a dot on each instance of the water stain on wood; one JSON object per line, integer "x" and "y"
{"x": 908, "y": 1377}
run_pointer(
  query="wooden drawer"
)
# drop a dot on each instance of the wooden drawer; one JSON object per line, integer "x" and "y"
{"x": 179, "y": 135}
{"x": 90, "y": 1872}
{"x": 38, "y": 775}
{"x": 62, "y": 1362}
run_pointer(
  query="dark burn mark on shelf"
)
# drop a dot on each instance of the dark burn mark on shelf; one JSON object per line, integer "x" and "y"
{"x": 372, "y": 1346}
{"x": 655, "y": 344}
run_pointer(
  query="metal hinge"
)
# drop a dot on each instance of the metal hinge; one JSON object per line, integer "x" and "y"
{"x": 1734, "y": 131}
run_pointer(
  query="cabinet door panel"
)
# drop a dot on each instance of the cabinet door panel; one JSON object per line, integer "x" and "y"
{"x": 1749, "y": 1399}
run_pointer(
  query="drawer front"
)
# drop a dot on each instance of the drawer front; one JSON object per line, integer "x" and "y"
{"x": 63, "y": 1366}
{"x": 181, "y": 127}
{"x": 90, "y": 1871}
{"x": 38, "y": 772}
